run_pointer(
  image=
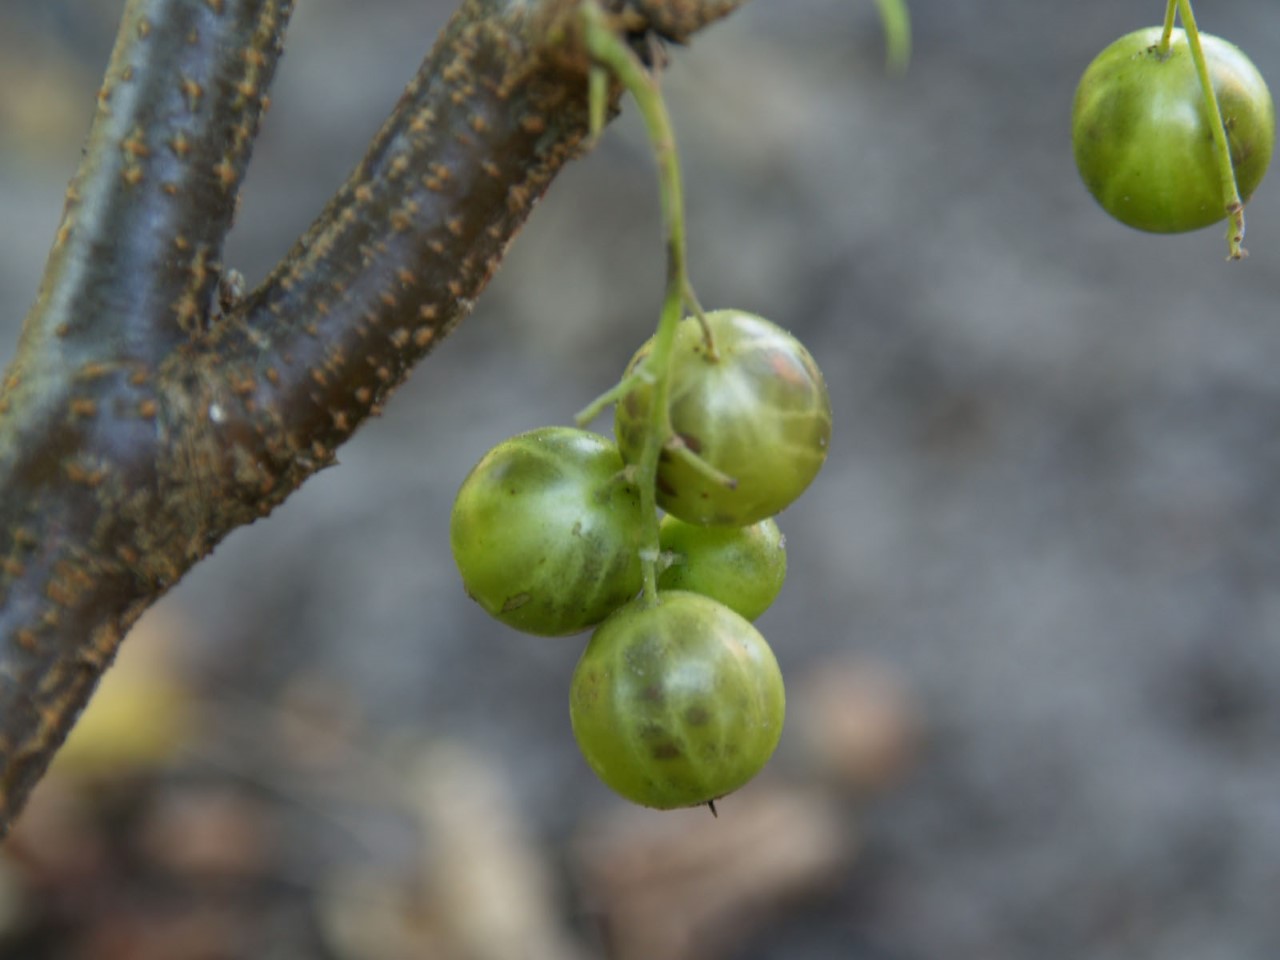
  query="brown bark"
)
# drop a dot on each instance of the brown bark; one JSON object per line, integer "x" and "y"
{"x": 143, "y": 419}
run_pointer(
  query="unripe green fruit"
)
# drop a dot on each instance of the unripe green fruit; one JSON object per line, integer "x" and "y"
{"x": 677, "y": 703}
{"x": 742, "y": 567}
{"x": 758, "y": 412}
{"x": 1143, "y": 137}
{"x": 545, "y": 532}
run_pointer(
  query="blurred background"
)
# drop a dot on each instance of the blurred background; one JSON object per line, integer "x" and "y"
{"x": 1032, "y": 625}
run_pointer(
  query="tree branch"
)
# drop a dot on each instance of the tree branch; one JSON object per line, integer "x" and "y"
{"x": 135, "y": 263}
{"x": 401, "y": 252}
{"x": 131, "y": 275}
{"x": 139, "y": 424}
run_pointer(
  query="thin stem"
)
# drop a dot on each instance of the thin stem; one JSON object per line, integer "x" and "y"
{"x": 1170, "y": 9}
{"x": 607, "y": 48}
{"x": 597, "y": 100}
{"x": 639, "y": 376}
{"x": 708, "y": 340}
{"x": 680, "y": 450}
{"x": 897, "y": 34}
{"x": 1226, "y": 169}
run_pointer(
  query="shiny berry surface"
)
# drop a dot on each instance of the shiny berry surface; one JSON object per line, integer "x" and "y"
{"x": 742, "y": 567}
{"x": 758, "y": 412}
{"x": 545, "y": 533}
{"x": 678, "y": 703}
{"x": 1143, "y": 139}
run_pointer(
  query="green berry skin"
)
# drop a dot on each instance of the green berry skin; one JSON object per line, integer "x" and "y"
{"x": 677, "y": 703}
{"x": 546, "y": 534}
{"x": 742, "y": 567}
{"x": 1143, "y": 139}
{"x": 758, "y": 412}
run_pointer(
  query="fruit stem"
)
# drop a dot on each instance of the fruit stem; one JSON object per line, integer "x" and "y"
{"x": 615, "y": 393}
{"x": 1226, "y": 169}
{"x": 677, "y": 448}
{"x": 1162, "y": 49}
{"x": 597, "y": 101}
{"x": 708, "y": 339}
{"x": 897, "y": 34}
{"x": 608, "y": 49}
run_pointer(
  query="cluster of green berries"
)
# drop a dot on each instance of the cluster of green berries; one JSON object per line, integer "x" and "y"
{"x": 677, "y": 699}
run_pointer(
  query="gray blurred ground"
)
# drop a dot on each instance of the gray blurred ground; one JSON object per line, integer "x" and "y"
{"x": 1051, "y": 502}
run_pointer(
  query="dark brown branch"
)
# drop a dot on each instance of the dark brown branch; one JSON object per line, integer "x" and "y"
{"x": 399, "y": 255}
{"x": 678, "y": 19}
{"x": 135, "y": 264}
{"x": 131, "y": 275}
{"x": 139, "y": 426}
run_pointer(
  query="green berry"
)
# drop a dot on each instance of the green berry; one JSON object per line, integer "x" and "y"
{"x": 757, "y": 411}
{"x": 547, "y": 534}
{"x": 1143, "y": 138}
{"x": 676, "y": 703}
{"x": 742, "y": 567}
